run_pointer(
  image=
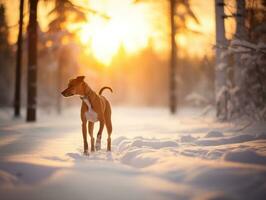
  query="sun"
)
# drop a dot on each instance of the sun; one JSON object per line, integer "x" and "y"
{"x": 128, "y": 26}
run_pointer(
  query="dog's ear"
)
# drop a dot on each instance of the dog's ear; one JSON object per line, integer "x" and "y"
{"x": 80, "y": 78}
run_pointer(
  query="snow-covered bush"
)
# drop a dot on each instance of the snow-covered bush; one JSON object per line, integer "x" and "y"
{"x": 247, "y": 94}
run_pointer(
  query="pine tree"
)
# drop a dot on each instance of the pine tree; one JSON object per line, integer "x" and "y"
{"x": 248, "y": 48}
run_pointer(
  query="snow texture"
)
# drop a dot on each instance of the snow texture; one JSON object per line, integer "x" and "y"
{"x": 154, "y": 156}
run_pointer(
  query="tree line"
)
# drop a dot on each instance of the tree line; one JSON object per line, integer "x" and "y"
{"x": 240, "y": 62}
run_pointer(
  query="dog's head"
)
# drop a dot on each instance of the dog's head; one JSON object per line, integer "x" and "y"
{"x": 75, "y": 87}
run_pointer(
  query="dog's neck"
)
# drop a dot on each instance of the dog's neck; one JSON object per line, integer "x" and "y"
{"x": 88, "y": 93}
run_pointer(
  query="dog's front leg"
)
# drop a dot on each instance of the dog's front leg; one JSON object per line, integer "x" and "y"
{"x": 84, "y": 126}
{"x": 90, "y": 127}
{"x": 84, "y": 134}
{"x": 99, "y": 136}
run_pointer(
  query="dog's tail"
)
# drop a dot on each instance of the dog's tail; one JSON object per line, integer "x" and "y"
{"x": 103, "y": 88}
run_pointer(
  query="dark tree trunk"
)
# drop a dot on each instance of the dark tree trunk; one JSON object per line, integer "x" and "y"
{"x": 32, "y": 62}
{"x": 18, "y": 62}
{"x": 172, "y": 71}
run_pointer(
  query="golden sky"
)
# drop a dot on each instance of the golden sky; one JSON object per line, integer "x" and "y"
{"x": 130, "y": 25}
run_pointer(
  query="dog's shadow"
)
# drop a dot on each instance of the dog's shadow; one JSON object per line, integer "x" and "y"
{"x": 76, "y": 156}
{"x": 98, "y": 155}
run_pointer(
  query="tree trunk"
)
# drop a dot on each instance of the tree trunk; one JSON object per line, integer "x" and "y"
{"x": 32, "y": 62}
{"x": 220, "y": 69}
{"x": 18, "y": 62}
{"x": 172, "y": 71}
{"x": 241, "y": 33}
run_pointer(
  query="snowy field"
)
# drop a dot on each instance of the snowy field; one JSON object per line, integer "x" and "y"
{"x": 155, "y": 156}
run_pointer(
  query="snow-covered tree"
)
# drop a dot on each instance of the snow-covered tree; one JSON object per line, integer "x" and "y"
{"x": 246, "y": 93}
{"x": 249, "y": 98}
{"x": 221, "y": 92}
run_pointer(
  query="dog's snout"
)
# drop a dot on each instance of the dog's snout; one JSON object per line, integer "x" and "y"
{"x": 64, "y": 93}
{"x": 67, "y": 93}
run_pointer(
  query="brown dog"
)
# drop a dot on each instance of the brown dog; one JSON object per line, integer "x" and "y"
{"x": 94, "y": 107}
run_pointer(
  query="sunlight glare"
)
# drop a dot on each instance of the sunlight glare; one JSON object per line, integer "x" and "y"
{"x": 134, "y": 25}
{"x": 128, "y": 26}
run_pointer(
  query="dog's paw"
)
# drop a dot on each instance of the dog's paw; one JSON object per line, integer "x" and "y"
{"x": 98, "y": 145}
{"x": 86, "y": 153}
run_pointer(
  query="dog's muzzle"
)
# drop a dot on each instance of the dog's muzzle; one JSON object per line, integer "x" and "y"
{"x": 66, "y": 93}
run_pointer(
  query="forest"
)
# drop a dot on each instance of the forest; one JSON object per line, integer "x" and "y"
{"x": 188, "y": 99}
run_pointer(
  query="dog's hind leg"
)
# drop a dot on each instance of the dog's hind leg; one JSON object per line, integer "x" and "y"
{"x": 108, "y": 123}
{"x": 99, "y": 136}
{"x": 90, "y": 127}
{"x": 109, "y": 128}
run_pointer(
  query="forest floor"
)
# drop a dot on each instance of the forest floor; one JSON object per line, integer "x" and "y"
{"x": 155, "y": 156}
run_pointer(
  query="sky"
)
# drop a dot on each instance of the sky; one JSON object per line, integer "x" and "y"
{"x": 131, "y": 25}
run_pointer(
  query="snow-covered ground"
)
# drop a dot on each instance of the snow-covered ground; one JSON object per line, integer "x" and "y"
{"x": 154, "y": 156}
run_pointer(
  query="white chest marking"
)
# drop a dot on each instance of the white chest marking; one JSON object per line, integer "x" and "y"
{"x": 91, "y": 115}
